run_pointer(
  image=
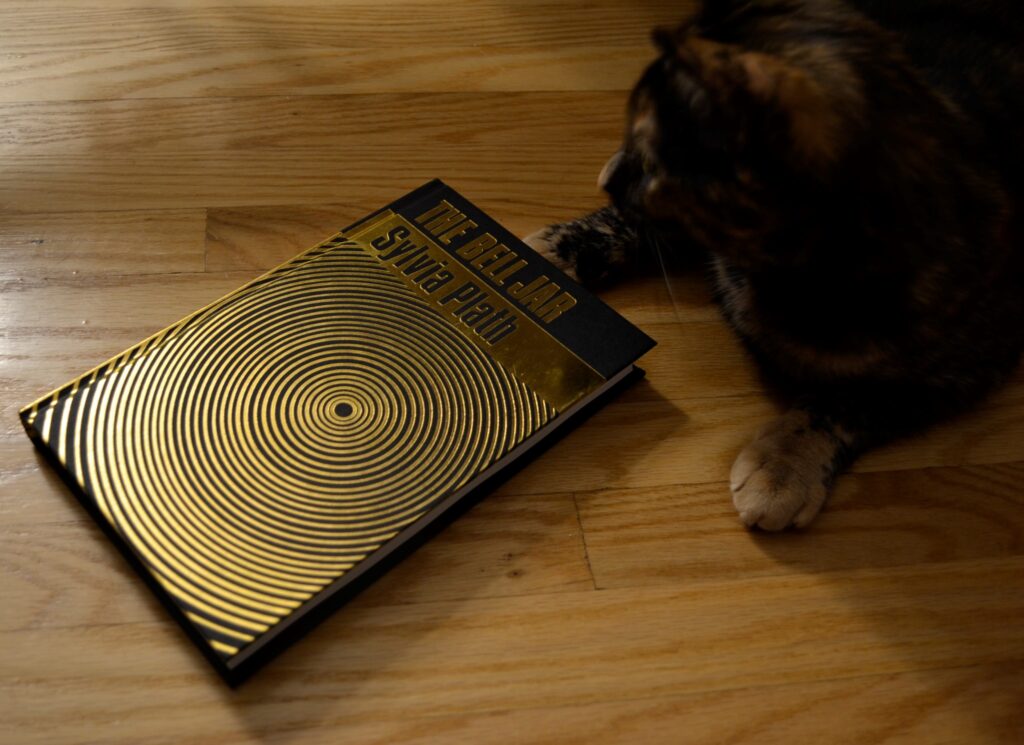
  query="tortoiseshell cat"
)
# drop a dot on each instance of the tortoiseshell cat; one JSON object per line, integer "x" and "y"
{"x": 854, "y": 174}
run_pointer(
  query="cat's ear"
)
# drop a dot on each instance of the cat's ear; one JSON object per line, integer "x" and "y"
{"x": 690, "y": 51}
{"x": 815, "y": 127}
{"x": 739, "y": 78}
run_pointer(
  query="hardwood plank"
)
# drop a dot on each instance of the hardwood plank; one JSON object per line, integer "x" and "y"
{"x": 218, "y": 179}
{"x": 681, "y": 535}
{"x": 260, "y": 238}
{"x": 311, "y": 25}
{"x": 82, "y": 321}
{"x": 655, "y": 440}
{"x": 67, "y": 574}
{"x": 403, "y": 122}
{"x": 978, "y": 704}
{"x": 34, "y": 362}
{"x": 464, "y": 657}
{"x": 122, "y": 243}
{"x": 113, "y": 302}
{"x": 64, "y": 573}
{"x": 78, "y": 75}
{"x": 352, "y": 150}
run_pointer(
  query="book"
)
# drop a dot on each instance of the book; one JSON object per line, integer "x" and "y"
{"x": 264, "y": 459}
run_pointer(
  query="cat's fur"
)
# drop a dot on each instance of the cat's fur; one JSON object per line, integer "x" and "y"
{"x": 854, "y": 172}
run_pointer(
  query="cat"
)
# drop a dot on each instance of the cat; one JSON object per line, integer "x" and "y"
{"x": 852, "y": 174}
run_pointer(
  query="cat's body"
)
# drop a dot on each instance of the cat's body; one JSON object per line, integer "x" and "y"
{"x": 854, "y": 173}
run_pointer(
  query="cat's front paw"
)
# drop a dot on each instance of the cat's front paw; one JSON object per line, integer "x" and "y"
{"x": 547, "y": 242}
{"x": 783, "y": 477}
{"x": 594, "y": 250}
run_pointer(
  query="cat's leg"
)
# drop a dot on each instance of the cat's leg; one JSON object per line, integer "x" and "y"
{"x": 783, "y": 477}
{"x": 591, "y": 249}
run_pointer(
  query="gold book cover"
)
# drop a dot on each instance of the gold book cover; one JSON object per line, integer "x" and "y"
{"x": 265, "y": 458}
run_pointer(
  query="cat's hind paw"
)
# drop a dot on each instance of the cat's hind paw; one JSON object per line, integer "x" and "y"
{"x": 783, "y": 477}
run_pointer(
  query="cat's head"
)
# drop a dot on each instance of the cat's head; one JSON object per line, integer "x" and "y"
{"x": 733, "y": 144}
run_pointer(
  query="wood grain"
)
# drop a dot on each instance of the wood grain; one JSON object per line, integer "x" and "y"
{"x": 685, "y": 534}
{"x": 50, "y": 245}
{"x": 65, "y": 574}
{"x": 159, "y": 153}
{"x": 203, "y": 49}
{"x": 519, "y": 652}
{"x": 311, "y": 25}
{"x": 948, "y": 707}
{"x": 202, "y": 126}
{"x": 260, "y": 238}
{"x": 241, "y": 152}
{"x": 59, "y": 75}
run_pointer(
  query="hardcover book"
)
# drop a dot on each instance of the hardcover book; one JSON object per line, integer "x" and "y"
{"x": 265, "y": 458}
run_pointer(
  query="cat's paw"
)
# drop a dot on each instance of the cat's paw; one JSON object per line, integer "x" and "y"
{"x": 782, "y": 478}
{"x": 546, "y": 242}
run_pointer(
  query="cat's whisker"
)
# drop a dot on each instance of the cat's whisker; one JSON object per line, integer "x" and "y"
{"x": 659, "y": 255}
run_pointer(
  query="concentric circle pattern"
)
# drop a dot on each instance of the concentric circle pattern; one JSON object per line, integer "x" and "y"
{"x": 257, "y": 451}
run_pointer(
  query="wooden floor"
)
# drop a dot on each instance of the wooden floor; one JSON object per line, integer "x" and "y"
{"x": 154, "y": 154}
